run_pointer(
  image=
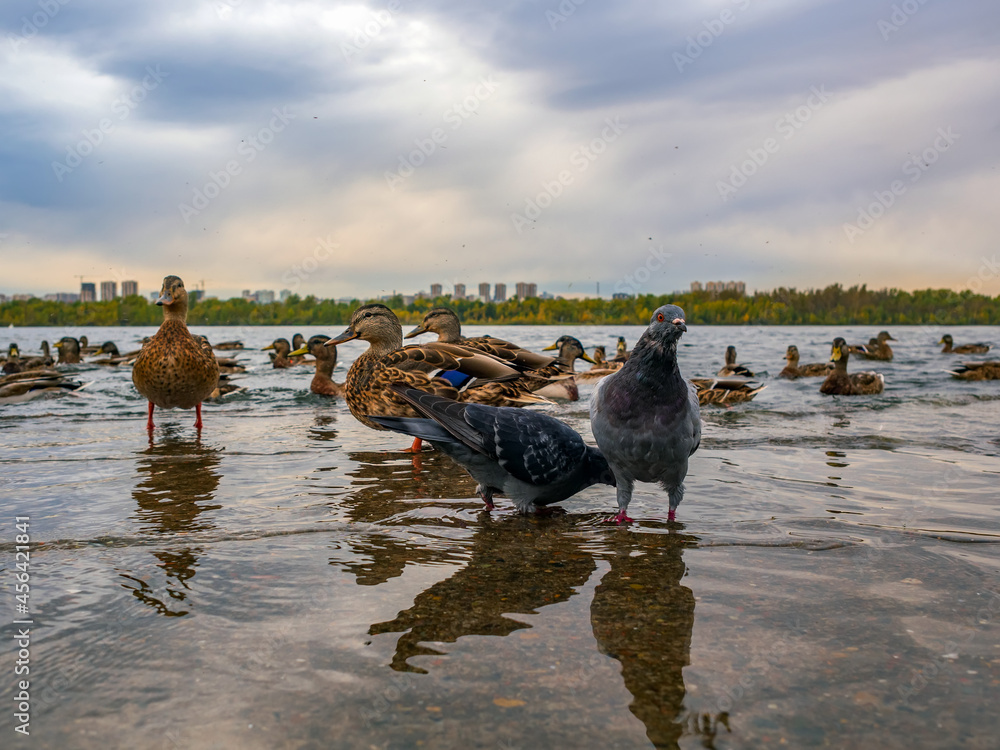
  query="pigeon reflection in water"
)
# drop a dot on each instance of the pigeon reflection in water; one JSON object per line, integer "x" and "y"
{"x": 177, "y": 483}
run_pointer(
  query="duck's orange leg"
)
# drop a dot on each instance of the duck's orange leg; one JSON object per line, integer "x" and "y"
{"x": 149, "y": 422}
{"x": 415, "y": 448}
{"x": 197, "y": 416}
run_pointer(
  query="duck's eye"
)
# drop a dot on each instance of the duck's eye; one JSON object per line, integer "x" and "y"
{"x": 659, "y": 317}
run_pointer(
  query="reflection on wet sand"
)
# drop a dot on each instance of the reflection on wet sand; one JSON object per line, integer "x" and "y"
{"x": 177, "y": 482}
{"x": 517, "y": 565}
{"x": 643, "y": 617}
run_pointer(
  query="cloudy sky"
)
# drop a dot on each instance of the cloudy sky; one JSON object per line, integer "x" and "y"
{"x": 355, "y": 149}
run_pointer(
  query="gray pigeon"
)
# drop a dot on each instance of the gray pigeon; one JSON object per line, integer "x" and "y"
{"x": 532, "y": 458}
{"x": 645, "y": 416}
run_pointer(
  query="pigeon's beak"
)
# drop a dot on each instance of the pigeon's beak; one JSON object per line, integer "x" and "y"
{"x": 679, "y": 322}
{"x": 348, "y": 335}
{"x": 416, "y": 331}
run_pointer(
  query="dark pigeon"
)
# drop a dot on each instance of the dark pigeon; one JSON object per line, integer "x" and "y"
{"x": 531, "y": 458}
{"x": 645, "y": 416}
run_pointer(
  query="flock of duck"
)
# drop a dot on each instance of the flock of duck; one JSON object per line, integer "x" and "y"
{"x": 464, "y": 395}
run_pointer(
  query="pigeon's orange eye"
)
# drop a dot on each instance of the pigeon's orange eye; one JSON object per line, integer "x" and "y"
{"x": 659, "y": 317}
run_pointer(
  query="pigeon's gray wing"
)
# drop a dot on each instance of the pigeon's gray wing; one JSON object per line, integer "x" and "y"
{"x": 418, "y": 427}
{"x": 532, "y": 447}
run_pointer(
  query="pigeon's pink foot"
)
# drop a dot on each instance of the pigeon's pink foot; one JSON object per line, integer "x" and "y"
{"x": 671, "y": 515}
{"x": 620, "y": 518}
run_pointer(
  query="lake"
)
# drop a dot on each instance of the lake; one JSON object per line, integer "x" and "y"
{"x": 289, "y": 579}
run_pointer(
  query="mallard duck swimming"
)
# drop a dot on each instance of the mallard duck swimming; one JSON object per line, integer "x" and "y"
{"x": 114, "y": 357}
{"x": 540, "y": 369}
{"x": 731, "y": 369}
{"x": 69, "y": 351}
{"x": 601, "y": 367}
{"x": 622, "y": 351}
{"x": 12, "y": 364}
{"x": 326, "y": 359}
{"x": 45, "y": 360}
{"x": 175, "y": 369}
{"x": 225, "y": 387}
{"x": 86, "y": 348}
{"x": 877, "y": 348}
{"x": 794, "y": 370}
{"x": 977, "y": 371}
{"x": 950, "y": 348}
{"x": 281, "y": 359}
{"x": 725, "y": 391}
{"x": 25, "y": 386}
{"x": 228, "y": 345}
{"x": 449, "y": 370}
{"x": 840, "y": 383}
{"x": 570, "y": 350}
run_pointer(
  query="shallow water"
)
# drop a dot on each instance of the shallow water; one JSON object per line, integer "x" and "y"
{"x": 289, "y": 579}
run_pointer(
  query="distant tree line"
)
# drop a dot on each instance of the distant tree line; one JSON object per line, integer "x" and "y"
{"x": 833, "y": 305}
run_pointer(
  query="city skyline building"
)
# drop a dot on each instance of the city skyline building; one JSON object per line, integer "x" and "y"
{"x": 109, "y": 290}
{"x": 130, "y": 288}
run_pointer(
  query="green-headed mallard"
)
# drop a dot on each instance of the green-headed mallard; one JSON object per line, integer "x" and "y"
{"x": 950, "y": 348}
{"x": 570, "y": 350}
{"x": 69, "y": 351}
{"x": 448, "y": 370}
{"x": 175, "y": 369}
{"x": 725, "y": 391}
{"x": 540, "y": 369}
{"x": 794, "y": 370}
{"x": 731, "y": 369}
{"x": 877, "y": 348}
{"x": 840, "y": 383}
{"x": 977, "y": 371}
{"x": 326, "y": 359}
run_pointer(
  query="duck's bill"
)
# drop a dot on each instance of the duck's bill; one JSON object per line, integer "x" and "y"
{"x": 299, "y": 352}
{"x": 550, "y": 348}
{"x": 165, "y": 299}
{"x": 586, "y": 358}
{"x": 415, "y": 332}
{"x": 835, "y": 355}
{"x": 348, "y": 335}
{"x": 265, "y": 348}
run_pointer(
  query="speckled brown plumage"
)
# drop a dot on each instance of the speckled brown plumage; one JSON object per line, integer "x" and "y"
{"x": 386, "y": 361}
{"x": 174, "y": 368}
{"x": 724, "y": 391}
{"x": 730, "y": 369}
{"x": 877, "y": 348}
{"x": 326, "y": 359}
{"x": 841, "y": 383}
{"x": 794, "y": 370}
{"x": 977, "y": 371}
{"x": 281, "y": 358}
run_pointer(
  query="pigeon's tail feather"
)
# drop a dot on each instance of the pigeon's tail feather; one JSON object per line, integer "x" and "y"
{"x": 418, "y": 427}
{"x": 447, "y": 414}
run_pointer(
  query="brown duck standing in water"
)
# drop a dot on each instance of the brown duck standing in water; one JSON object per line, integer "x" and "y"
{"x": 448, "y": 370}
{"x": 175, "y": 370}
{"x": 950, "y": 348}
{"x": 794, "y": 370}
{"x": 840, "y": 383}
{"x": 326, "y": 359}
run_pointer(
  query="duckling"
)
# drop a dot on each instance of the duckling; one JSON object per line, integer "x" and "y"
{"x": 977, "y": 371}
{"x": 950, "y": 348}
{"x": 570, "y": 350}
{"x": 794, "y": 370}
{"x": 448, "y": 370}
{"x": 69, "y": 351}
{"x": 731, "y": 369}
{"x": 725, "y": 391}
{"x": 541, "y": 370}
{"x": 877, "y": 348}
{"x": 326, "y": 359}
{"x": 840, "y": 383}
{"x": 175, "y": 369}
